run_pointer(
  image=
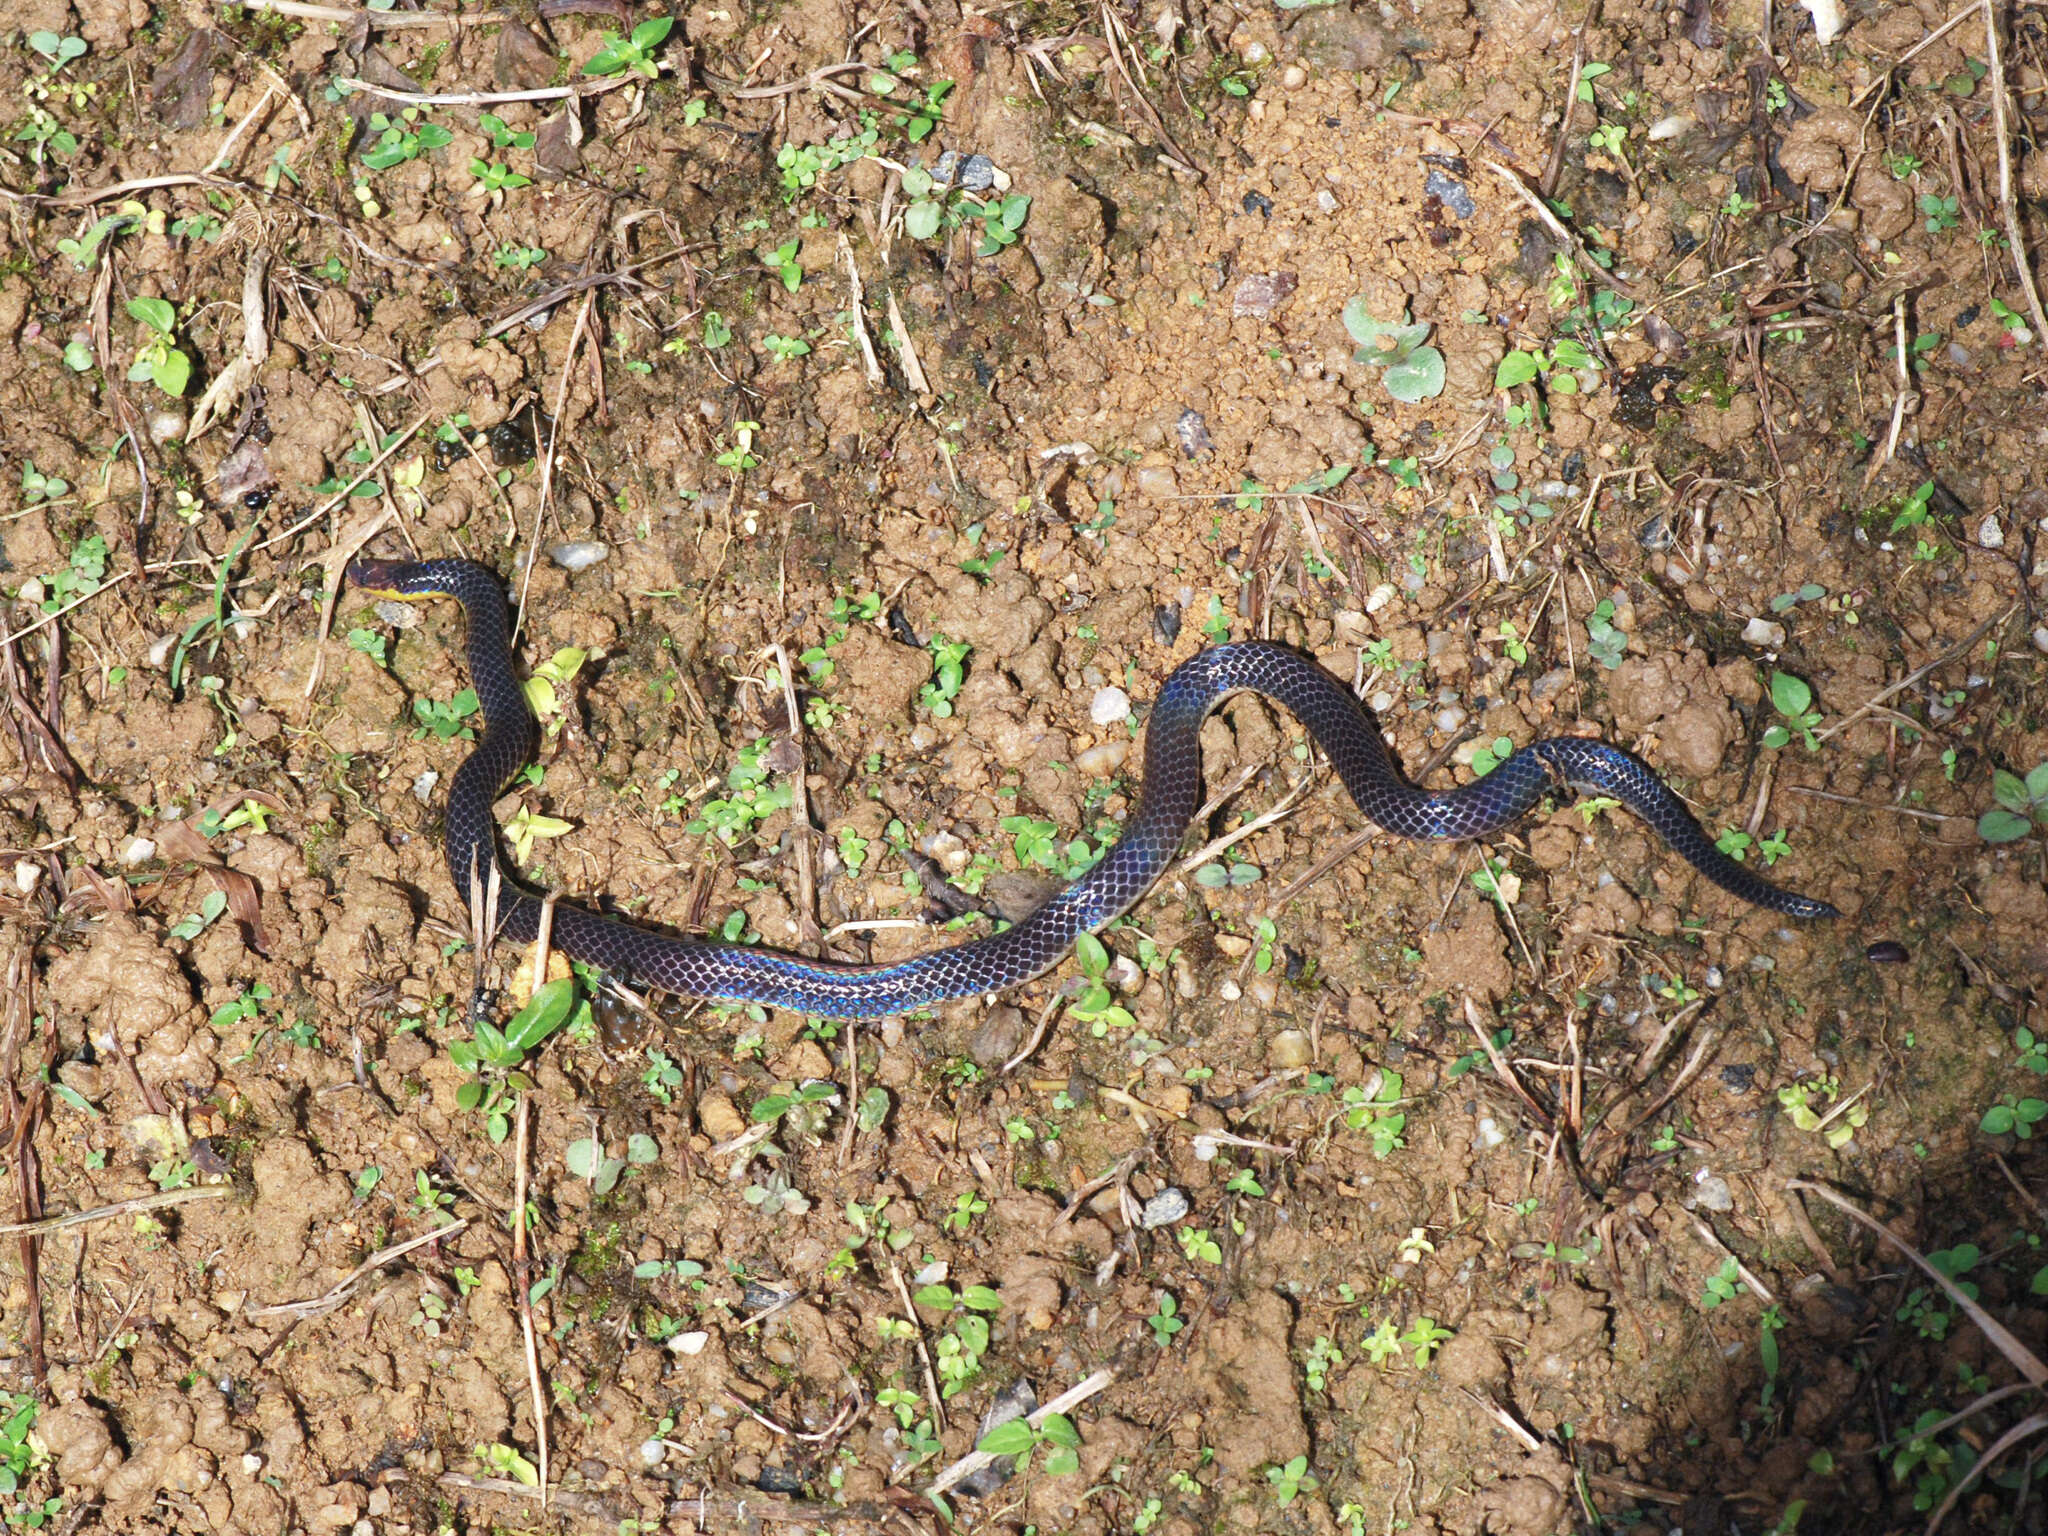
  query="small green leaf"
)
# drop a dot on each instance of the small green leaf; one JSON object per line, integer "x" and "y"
{"x": 1011, "y": 1438}
{"x": 2009, "y": 790}
{"x": 2002, "y": 826}
{"x": 1518, "y": 367}
{"x": 1790, "y": 695}
{"x": 1417, "y": 377}
{"x": 157, "y": 314}
{"x": 541, "y": 1017}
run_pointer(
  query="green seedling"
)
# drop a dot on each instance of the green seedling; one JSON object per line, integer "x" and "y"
{"x": 405, "y": 137}
{"x": 1792, "y": 697}
{"x": 616, "y": 55}
{"x": 1412, "y": 372}
{"x": 158, "y": 359}
{"x": 586, "y": 1159}
{"x": 1002, "y": 222}
{"x": 493, "y": 1055}
{"x": 2022, "y": 805}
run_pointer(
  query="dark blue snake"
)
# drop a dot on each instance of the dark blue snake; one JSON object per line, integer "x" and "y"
{"x": 1172, "y": 794}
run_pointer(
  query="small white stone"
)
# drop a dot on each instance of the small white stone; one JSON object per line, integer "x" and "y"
{"x": 1326, "y": 200}
{"x": 1110, "y": 706}
{"x": 1989, "y": 534}
{"x": 32, "y": 590}
{"x": 1379, "y": 597}
{"x": 1669, "y": 127}
{"x": 578, "y": 556}
{"x": 1294, "y": 77}
{"x": 1230, "y": 991}
{"x": 26, "y": 875}
{"x": 160, "y": 649}
{"x": 652, "y": 1452}
{"x": 1488, "y": 1136}
{"x": 2041, "y": 638}
{"x": 1381, "y": 702}
{"x": 1450, "y": 719}
{"x": 1764, "y": 633}
{"x": 167, "y": 424}
{"x": 140, "y": 850}
{"x": 423, "y": 786}
{"x": 690, "y": 1343}
{"x": 251, "y": 1463}
{"x": 1100, "y": 761}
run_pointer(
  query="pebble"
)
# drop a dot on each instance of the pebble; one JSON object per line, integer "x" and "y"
{"x": 1109, "y": 706}
{"x": 1289, "y": 1049}
{"x": 1762, "y": 632}
{"x": 1450, "y": 719}
{"x": 167, "y": 424}
{"x": 923, "y": 737}
{"x": 2041, "y": 638}
{"x": 140, "y": 850}
{"x": 1381, "y": 702}
{"x": 1886, "y": 952}
{"x": 1379, "y": 597}
{"x": 1326, "y": 200}
{"x": 1230, "y": 991}
{"x": 1713, "y": 1192}
{"x": 578, "y": 556}
{"x": 423, "y": 786}
{"x": 1488, "y": 1136}
{"x": 1294, "y": 77}
{"x": 652, "y": 1452}
{"x": 1265, "y": 991}
{"x": 1668, "y": 128}
{"x": 1989, "y": 534}
{"x": 1164, "y": 1208}
{"x": 1551, "y": 682}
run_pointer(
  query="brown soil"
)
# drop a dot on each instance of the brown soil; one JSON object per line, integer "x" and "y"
{"x": 1570, "y": 1289}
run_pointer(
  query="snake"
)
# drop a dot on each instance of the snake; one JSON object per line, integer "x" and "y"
{"x": 1171, "y": 794}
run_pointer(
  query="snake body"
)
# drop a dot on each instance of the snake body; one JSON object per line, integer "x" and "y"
{"x": 1172, "y": 793}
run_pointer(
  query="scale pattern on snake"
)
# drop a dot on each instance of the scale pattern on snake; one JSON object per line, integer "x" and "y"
{"x": 1172, "y": 793}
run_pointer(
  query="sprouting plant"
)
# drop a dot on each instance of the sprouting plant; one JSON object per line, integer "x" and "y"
{"x": 1320, "y": 1362}
{"x": 2014, "y": 1117}
{"x": 1002, "y": 221}
{"x": 1424, "y": 1337}
{"x": 492, "y": 1056}
{"x": 80, "y": 576}
{"x": 158, "y": 359}
{"x": 662, "y": 1076}
{"x": 923, "y": 116}
{"x": 785, "y": 262}
{"x": 1557, "y": 367}
{"x": 965, "y": 1208}
{"x": 634, "y": 52}
{"x": 949, "y": 671}
{"x": 1942, "y": 213}
{"x": 1020, "y": 1437}
{"x": 500, "y": 134}
{"x": 1376, "y": 1112}
{"x": 402, "y": 138}
{"x": 1413, "y": 372}
{"x": 1166, "y": 1320}
{"x": 1199, "y": 1246}
{"x": 2022, "y": 805}
{"x": 1737, "y": 206}
{"x": 1290, "y": 1480}
{"x": 1096, "y": 1005}
{"x": 927, "y": 209}
{"x": 1605, "y": 640}
{"x": 2017, "y": 332}
{"x": 1489, "y": 755}
{"x": 1723, "y": 1285}
{"x": 786, "y": 349}
{"x": 586, "y": 1158}
{"x": 445, "y": 721}
{"x": 37, "y": 486}
{"x": 497, "y": 178}
{"x": 521, "y": 258}
{"x": 1792, "y": 697}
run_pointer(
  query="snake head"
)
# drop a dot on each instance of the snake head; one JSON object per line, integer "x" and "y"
{"x": 379, "y": 578}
